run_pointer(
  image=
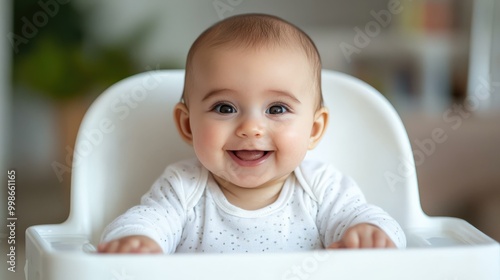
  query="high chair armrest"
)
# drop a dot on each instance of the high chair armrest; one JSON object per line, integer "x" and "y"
{"x": 52, "y": 238}
{"x": 44, "y": 241}
{"x": 446, "y": 232}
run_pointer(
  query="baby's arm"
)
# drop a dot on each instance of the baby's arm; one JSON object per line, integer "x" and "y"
{"x": 154, "y": 226}
{"x": 347, "y": 221}
{"x": 130, "y": 244}
{"x": 363, "y": 236}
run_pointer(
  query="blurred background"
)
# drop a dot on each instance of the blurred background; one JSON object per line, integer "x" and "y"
{"x": 437, "y": 62}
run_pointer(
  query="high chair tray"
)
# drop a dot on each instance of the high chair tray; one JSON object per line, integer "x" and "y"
{"x": 449, "y": 249}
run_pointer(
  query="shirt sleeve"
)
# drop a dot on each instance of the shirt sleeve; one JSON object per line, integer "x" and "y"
{"x": 160, "y": 216}
{"x": 343, "y": 205}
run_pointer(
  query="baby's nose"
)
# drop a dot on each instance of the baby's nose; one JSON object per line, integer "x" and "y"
{"x": 251, "y": 127}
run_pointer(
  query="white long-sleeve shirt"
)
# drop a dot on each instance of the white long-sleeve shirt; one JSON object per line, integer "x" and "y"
{"x": 185, "y": 211}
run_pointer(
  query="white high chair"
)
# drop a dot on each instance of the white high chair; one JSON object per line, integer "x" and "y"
{"x": 127, "y": 138}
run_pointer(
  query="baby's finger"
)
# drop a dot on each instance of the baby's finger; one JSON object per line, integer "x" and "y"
{"x": 364, "y": 242}
{"x": 151, "y": 247}
{"x": 379, "y": 241}
{"x": 101, "y": 248}
{"x": 336, "y": 245}
{"x": 129, "y": 245}
{"x": 111, "y": 247}
{"x": 388, "y": 241}
{"x": 351, "y": 239}
{"x": 148, "y": 250}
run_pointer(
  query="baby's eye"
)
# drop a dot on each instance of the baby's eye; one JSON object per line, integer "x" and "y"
{"x": 276, "y": 109}
{"x": 224, "y": 109}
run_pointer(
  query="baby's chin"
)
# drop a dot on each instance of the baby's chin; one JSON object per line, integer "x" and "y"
{"x": 222, "y": 178}
{"x": 249, "y": 181}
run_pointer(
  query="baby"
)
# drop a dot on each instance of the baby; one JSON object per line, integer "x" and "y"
{"x": 251, "y": 108}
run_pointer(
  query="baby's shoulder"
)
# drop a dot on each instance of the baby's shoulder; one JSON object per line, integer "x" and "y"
{"x": 186, "y": 168}
{"x": 316, "y": 177}
{"x": 188, "y": 178}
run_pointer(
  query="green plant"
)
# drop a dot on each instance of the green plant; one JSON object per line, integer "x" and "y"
{"x": 57, "y": 60}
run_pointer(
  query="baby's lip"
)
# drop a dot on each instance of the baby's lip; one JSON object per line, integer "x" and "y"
{"x": 249, "y": 155}
{"x": 249, "y": 158}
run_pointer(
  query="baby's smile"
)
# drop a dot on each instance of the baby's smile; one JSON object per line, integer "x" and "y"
{"x": 249, "y": 157}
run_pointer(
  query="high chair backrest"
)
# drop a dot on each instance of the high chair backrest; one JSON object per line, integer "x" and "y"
{"x": 128, "y": 137}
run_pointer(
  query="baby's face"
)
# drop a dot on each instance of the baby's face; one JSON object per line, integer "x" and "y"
{"x": 251, "y": 113}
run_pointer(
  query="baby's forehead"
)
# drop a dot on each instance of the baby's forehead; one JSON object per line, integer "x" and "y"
{"x": 211, "y": 57}
{"x": 210, "y": 51}
{"x": 207, "y": 61}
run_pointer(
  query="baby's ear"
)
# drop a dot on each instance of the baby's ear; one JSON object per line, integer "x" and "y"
{"x": 181, "y": 118}
{"x": 318, "y": 127}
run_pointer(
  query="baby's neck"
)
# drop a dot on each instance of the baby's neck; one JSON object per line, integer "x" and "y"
{"x": 251, "y": 198}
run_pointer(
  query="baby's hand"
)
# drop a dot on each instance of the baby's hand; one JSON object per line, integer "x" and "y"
{"x": 130, "y": 244}
{"x": 363, "y": 236}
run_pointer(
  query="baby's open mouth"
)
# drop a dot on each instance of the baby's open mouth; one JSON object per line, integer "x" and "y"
{"x": 249, "y": 155}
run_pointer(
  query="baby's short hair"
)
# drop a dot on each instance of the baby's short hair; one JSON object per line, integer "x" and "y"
{"x": 258, "y": 30}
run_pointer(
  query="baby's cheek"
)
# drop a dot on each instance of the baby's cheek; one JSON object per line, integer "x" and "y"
{"x": 292, "y": 143}
{"x": 294, "y": 137}
{"x": 208, "y": 143}
{"x": 207, "y": 135}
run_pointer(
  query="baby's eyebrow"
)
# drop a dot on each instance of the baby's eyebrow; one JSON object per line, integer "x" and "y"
{"x": 287, "y": 94}
{"x": 213, "y": 92}
{"x": 277, "y": 92}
